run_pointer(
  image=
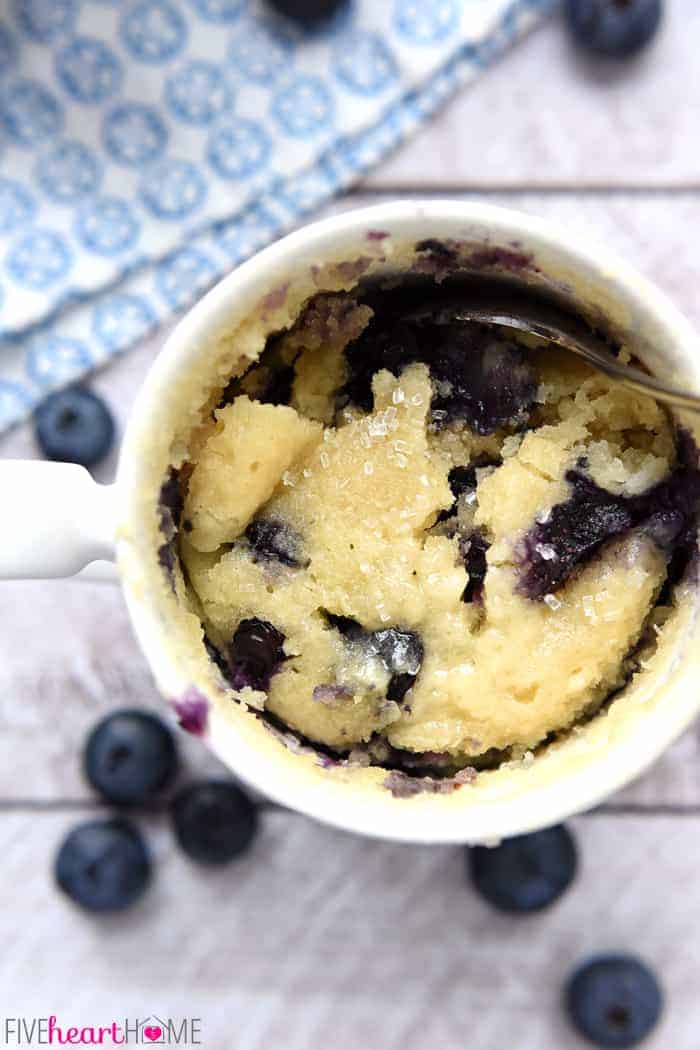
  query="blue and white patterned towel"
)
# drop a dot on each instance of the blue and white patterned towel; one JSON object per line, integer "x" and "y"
{"x": 148, "y": 146}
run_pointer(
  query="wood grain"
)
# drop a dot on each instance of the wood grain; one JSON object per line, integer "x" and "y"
{"x": 321, "y": 937}
{"x": 544, "y": 116}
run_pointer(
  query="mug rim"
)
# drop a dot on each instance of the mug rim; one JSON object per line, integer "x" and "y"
{"x": 420, "y": 820}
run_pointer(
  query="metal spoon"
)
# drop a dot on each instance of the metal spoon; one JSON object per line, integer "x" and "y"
{"x": 526, "y": 313}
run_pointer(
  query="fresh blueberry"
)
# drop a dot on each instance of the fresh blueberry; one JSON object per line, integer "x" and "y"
{"x": 615, "y": 28}
{"x": 256, "y": 652}
{"x": 272, "y": 540}
{"x": 308, "y": 12}
{"x": 614, "y": 1000}
{"x": 525, "y": 873}
{"x": 103, "y": 865}
{"x": 74, "y": 426}
{"x": 130, "y": 756}
{"x": 214, "y": 821}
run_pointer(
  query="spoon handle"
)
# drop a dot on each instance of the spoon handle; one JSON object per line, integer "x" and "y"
{"x": 598, "y": 356}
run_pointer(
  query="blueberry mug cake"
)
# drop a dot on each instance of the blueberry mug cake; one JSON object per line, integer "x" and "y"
{"x": 409, "y": 543}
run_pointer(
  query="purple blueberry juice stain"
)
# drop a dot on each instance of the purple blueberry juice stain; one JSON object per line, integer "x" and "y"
{"x": 463, "y": 481}
{"x": 393, "y": 347}
{"x": 421, "y": 760}
{"x": 332, "y": 694}
{"x": 440, "y": 259}
{"x": 271, "y": 540}
{"x": 170, "y": 502}
{"x": 274, "y": 300}
{"x": 329, "y": 318}
{"x": 376, "y": 235}
{"x": 423, "y": 774}
{"x": 444, "y": 249}
{"x": 437, "y": 259}
{"x": 575, "y": 530}
{"x": 255, "y": 654}
{"x": 403, "y": 785}
{"x": 436, "y": 764}
{"x": 472, "y": 551}
{"x": 170, "y": 506}
{"x": 351, "y": 269}
{"x": 192, "y": 710}
{"x": 167, "y": 559}
{"x": 500, "y": 258}
{"x": 299, "y": 744}
{"x": 480, "y": 379}
{"x": 570, "y": 535}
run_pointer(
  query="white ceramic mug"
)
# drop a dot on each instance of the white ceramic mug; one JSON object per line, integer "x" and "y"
{"x": 56, "y": 519}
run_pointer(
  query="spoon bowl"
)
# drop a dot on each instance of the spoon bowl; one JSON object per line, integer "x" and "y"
{"x": 511, "y": 308}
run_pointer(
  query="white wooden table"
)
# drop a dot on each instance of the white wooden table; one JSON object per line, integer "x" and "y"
{"x": 322, "y": 939}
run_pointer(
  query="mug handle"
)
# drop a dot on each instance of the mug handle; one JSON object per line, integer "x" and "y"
{"x": 55, "y": 520}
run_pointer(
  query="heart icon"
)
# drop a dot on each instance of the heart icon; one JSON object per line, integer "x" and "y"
{"x": 153, "y": 1032}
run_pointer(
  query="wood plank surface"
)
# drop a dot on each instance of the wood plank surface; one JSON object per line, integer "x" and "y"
{"x": 544, "y": 116}
{"x": 319, "y": 938}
